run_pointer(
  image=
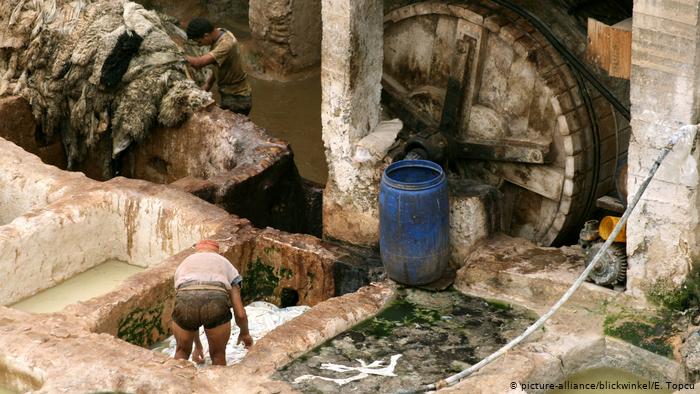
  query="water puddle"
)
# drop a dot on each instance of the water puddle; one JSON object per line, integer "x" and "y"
{"x": 263, "y": 317}
{"x": 291, "y": 111}
{"x": 94, "y": 282}
{"x": 608, "y": 377}
{"x": 435, "y": 334}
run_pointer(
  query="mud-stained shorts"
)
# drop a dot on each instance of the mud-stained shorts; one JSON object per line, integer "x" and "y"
{"x": 195, "y": 308}
{"x": 238, "y": 103}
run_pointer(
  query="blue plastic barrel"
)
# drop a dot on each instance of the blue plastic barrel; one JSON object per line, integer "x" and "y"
{"x": 414, "y": 239}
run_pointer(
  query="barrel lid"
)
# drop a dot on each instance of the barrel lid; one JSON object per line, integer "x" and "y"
{"x": 413, "y": 174}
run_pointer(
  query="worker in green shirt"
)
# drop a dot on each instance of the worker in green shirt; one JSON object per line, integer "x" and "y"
{"x": 226, "y": 58}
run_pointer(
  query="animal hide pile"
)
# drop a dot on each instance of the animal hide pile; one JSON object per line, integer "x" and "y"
{"x": 96, "y": 70}
{"x": 118, "y": 60}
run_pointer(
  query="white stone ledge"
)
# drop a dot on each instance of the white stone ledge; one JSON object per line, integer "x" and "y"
{"x": 683, "y": 12}
{"x": 663, "y": 25}
{"x": 373, "y": 147}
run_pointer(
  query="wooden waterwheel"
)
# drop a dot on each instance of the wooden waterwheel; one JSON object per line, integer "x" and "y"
{"x": 516, "y": 114}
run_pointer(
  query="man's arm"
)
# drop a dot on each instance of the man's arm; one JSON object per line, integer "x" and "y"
{"x": 209, "y": 83}
{"x": 200, "y": 61}
{"x": 241, "y": 317}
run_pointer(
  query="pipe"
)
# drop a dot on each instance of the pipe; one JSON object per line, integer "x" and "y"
{"x": 536, "y": 325}
{"x": 417, "y": 154}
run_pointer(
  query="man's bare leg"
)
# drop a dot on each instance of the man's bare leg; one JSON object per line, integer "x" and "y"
{"x": 183, "y": 339}
{"x": 198, "y": 353}
{"x": 218, "y": 338}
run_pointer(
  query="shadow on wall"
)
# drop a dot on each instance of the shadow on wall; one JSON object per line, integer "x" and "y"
{"x": 18, "y": 125}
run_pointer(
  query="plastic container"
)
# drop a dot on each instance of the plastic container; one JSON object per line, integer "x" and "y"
{"x": 414, "y": 222}
{"x": 607, "y": 224}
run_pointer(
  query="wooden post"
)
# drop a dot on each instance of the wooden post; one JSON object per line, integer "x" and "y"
{"x": 610, "y": 47}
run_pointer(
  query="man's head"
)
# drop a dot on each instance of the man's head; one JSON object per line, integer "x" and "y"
{"x": 207, "y": 245}
{"x": 201, "y": 30}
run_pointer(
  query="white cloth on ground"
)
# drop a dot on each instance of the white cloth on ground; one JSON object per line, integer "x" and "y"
{"x": 375, "y": 368}
{"x": 263, "y": 317}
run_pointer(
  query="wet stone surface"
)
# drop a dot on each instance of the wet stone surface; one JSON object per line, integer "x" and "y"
{"x": 437, "y": 334}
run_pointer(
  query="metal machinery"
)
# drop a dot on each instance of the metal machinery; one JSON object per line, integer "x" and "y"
{"x": 492, "y": 95}
{"x": 611, "y": 270}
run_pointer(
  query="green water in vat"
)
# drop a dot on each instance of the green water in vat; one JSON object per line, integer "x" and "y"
{"x": 94, "y": 282}
{"x": 436, "y": 334}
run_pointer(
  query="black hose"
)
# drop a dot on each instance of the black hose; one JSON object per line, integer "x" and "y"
{"x": 570, "y": 58}
{"x": 591, "y": 197}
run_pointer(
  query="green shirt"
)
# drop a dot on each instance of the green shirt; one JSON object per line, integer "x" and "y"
{"x": 229, "y": 74}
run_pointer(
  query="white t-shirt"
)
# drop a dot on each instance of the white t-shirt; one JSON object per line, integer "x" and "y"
{"x": 207, "y": 267}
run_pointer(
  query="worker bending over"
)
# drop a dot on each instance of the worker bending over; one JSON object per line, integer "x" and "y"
{"x": 207, "y": 286}
{"x": 225, "y": 56}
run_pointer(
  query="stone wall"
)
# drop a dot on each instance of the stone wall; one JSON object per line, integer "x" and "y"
{"x": 27, "y": 184}
{"x": 226, "y": 159}
{"x": 69, "y": 223}
{"x": 351, "y": 74}
{"x": 662, "y": 232}
{"x": 19, "y": 126}
{"x": 227, "y": 13}
{"x": 238, "y": 166}
{"x": 287, "y": 34}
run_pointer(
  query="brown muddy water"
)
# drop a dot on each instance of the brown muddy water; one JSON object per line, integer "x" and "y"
{"x": 291, "y": 111}
{"x": 288, "y": 110}
{"x": 425, "y": 336}
{"x": 601, "y": 376}
{"x": 94, "y": 282}
{"x": 234, "y": 20}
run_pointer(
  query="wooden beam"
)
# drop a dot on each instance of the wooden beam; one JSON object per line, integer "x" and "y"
{"x": 621, "y": 49}
{"x": 539, "y": 179}
{"x": 395, "y": 97}
{"x": 610, "y": 47}
{"x": 611, "y": 204}
{"x": 503, "y": 150}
